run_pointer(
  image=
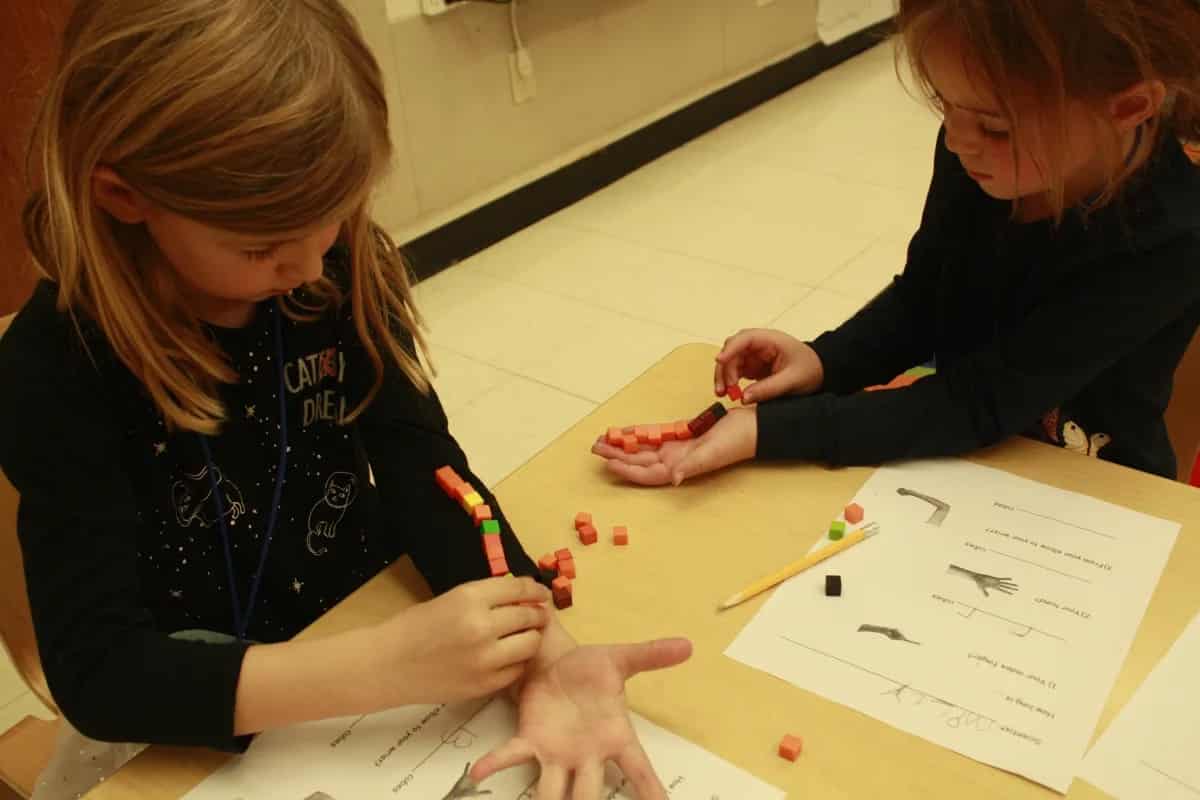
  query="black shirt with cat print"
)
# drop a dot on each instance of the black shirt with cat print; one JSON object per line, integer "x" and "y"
{"x": 119, "y": 518}
{"x": 1070, "y": 334}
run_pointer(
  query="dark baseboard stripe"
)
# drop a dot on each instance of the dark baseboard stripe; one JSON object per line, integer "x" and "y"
{"x": 504, "y": 216}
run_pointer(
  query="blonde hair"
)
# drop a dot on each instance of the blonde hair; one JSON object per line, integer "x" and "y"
{"x": 254, "y": 116}
{"x": 1067, "y": 50}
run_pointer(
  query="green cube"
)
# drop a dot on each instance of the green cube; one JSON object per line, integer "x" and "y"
{"x": 489, "y": 526}
{"x": 837, "y": 529}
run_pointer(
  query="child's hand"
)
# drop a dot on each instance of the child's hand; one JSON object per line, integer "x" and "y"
{"x": 573, "y": 718}
{"x": 472, "y": 641}
{"x": 734, "y": 438}
{"x": 779, "y": 364}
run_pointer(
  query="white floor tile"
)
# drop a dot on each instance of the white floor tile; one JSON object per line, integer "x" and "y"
{"x": 576, "y": 347}
{"x": 510, "y": 422}
{"x": 461, "y": 380}
{"x": 872, "y": 270}
{"x": 706, "y": 299}
{"x": 820, "y": 311}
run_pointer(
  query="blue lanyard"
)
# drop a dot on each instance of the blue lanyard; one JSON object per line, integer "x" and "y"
{"x": 242, "y": 623}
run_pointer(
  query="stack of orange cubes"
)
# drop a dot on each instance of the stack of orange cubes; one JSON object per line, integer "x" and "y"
{"x": 465, "y": 495}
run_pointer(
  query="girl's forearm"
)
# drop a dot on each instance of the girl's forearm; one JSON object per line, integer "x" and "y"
{"x": 293, "y": 682}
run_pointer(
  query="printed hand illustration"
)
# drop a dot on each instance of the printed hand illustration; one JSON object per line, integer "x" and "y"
{"x": 985, "y": 582}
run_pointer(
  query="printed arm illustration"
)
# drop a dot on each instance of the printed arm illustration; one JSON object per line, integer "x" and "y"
{"x": 941, "y": 509}
{"x": 892, "y": 633}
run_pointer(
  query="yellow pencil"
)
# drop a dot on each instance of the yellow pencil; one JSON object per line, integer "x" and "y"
{"x": 795, "y": 568}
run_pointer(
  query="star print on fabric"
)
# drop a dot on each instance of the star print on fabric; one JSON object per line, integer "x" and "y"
{"x": 160, "y": 448}
{"x": 297, "y": 585}
{"x": 251, "y": 411}
{"x": 177, "y": 594}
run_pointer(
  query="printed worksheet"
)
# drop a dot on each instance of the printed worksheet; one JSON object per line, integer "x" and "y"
{"x": 990, "y": 615}
{"x": 424, "y": 752}
{"x": 1150, "y": 749}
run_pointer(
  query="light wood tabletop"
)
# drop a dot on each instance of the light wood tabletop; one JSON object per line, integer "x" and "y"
{"x": 692, "y": 546}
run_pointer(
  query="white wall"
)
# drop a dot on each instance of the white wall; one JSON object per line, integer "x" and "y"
{"x": 603, "y": 68}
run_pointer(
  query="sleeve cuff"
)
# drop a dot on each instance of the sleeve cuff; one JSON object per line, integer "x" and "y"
{"x": 796, "y": 428}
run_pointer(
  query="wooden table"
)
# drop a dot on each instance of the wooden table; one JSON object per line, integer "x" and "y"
{"x": 691, "y": 547}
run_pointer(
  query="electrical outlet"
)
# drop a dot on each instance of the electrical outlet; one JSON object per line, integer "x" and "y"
{"x": 431, "y": 8}
{"x": 520, "y": 71}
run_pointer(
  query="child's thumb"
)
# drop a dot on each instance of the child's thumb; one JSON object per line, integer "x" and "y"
{"x": 699, "y": 460}
{"x": 768, "y": 388}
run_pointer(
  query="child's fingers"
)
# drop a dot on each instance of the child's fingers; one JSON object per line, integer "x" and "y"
{"x": 631, "y": 659}
{"x": 589, "y": 781}
{"x": 733, "y": 371}
{"x": 767, "y": 388}
{"x": 516, "y": 649}
{"x": 655, "y": 474}
{"x": 602, "y": 448}
{"x": 719, "y": 382}
{"x": 552, "y": 785}
{"x": 507, "y": 591}
{"x": 735, "y": 344}
{"x": 513, "y": 752}
{"x": 636, "y": 767}
{"x": 514, "y": 619}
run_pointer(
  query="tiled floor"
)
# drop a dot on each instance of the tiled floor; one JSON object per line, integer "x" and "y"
{"x": 790, "y": 216}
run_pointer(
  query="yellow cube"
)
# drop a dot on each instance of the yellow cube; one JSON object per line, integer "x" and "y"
{"x": 470, "y": 500}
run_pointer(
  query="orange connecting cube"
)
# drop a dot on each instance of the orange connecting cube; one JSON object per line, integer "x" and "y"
{"x": 492, "y": 546}
{"x": 790, "y": 747}
{"x": 562, "y": 591}
{"x": 668, "y": 432}
{"x": 615, "y": 436}
{"x": 641, "y": 433}
{"x": 734, "y": 392}
{"x": 548, "y": 562}
{"x": 566, "y": 568}
{"x": 654, "y": 436}
{"x": 854, "y": 513}
{"x": 562, "y": 555}
{"x": 620, "y": 535}
{"x": 480, "y": 513}
{"x": 588, "y": 533}
{"x": 630, "y": 443}
{"x": 498, "y": 567}
{"x": 581, "y": 519}
{"x": 682, "y": 431}
{"x": 448, "y": 479}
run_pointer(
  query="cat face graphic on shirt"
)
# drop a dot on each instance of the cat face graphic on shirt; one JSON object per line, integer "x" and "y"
{"x": 192, "y": 498}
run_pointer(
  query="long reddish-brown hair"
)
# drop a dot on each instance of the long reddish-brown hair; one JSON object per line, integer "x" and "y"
{"x": 1058, "y": 52}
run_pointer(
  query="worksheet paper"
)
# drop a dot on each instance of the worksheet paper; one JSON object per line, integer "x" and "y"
{"x": 422, "y": 753}
{"x": 991, "y": 614}
{"x": 1151, "y": 748}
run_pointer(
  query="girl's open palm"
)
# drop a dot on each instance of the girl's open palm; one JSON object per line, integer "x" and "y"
{"x": 573, "y": 719}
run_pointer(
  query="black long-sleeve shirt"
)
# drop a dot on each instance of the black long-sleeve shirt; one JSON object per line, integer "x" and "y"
{"x": 117, "y": 518}
{"x": 1068, "y": 333}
